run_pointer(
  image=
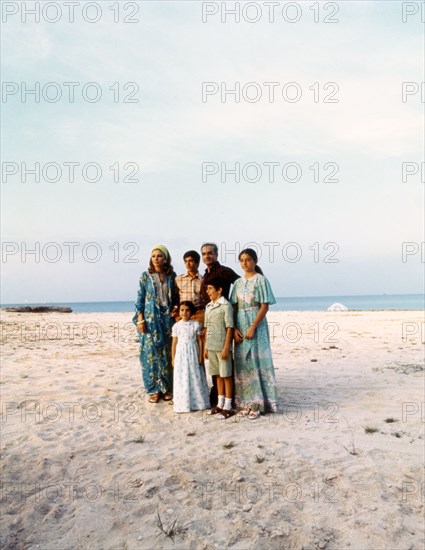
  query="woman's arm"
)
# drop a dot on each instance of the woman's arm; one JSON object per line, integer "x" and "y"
{"x": 262, "y": 312}
{"x": 141, "y": 324}
{"x": 140, "y": 305}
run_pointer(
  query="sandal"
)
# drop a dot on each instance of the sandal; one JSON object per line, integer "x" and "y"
{"x": 167, "y": 396}
{"x": 225, "y": 413}
{"x": 215, "y": 410}
{"x": 253, "y": 415}
{"x": 244, "y": 412}
{"x": 154, "y": 398}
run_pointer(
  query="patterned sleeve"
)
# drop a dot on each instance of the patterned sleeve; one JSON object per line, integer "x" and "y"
{"x": 263, "y": 293}
{"x": 228, "y": 316}
{"x": 175, "y": 330}
{"x": 139, "y": 306}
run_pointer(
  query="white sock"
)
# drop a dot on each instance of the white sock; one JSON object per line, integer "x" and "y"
{"x": 220, "y": 402}
{"x": 227, "y": 403}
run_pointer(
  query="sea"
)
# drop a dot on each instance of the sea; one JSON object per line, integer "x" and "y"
{"x": 378, "y": 302}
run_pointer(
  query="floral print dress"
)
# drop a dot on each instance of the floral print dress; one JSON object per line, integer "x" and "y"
{"x": 255, "y": 383}
{"x": 155, "y": 302}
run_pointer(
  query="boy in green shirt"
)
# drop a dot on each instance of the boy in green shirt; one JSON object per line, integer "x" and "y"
{"x": 218, "y": 340}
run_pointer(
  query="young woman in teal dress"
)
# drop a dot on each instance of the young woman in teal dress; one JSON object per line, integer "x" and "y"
{"x": 255, "y": 382}
{"x": 156, "y": 297}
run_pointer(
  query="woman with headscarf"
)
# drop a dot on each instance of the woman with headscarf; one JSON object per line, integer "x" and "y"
{"x": 156, "y": 297}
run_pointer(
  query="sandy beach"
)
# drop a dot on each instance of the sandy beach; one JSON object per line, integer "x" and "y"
{"x": 87, "y": 462}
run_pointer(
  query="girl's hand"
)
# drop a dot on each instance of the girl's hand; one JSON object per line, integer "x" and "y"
{"x": 250, "y": 333}
{"x": 206, "y": 354}
{"x": 174, "y": 312}
{"x": 200, "y": 361}
{"x": 238, "y": 336}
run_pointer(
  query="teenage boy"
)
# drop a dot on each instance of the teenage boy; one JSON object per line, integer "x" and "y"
{"x": 190, "y": 285}
{"x": 218, "y": 342}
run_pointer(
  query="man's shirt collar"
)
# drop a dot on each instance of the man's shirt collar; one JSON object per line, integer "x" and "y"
{"x": 214, "y": 266}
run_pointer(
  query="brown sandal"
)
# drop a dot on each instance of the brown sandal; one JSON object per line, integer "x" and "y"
{"x": 167, "y": 396}
{"x": 225, "y": 413}
{"x": 154, "y": 398}
{"x": 215, "y": 410}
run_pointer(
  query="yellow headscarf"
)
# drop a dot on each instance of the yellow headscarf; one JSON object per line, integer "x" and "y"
{"x": 162, "y": 249}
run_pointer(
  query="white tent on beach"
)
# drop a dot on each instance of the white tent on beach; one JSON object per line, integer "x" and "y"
{"x": 337, "y": 307}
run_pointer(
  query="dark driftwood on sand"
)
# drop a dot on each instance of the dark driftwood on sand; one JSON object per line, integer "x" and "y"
{"x": 38, "y": 309}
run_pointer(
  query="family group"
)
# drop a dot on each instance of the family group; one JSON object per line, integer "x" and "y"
{"x": 219, "y": 316}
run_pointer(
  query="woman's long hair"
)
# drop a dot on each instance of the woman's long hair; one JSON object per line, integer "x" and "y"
{"x": 253, "y": 255}
{"x": 167, "y": 267}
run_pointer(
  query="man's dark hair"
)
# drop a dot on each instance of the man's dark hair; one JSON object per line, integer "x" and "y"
{"x": 192, "y": 254}
{"x": 215, "y": 247}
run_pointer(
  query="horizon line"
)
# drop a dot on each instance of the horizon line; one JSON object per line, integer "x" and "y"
{"x": 278, "y": 297}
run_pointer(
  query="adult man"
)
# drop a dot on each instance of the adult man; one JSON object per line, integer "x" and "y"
{"x": 227, "y": 277}
{"x": 215, "y": 270}
{"x": 190, "y": 285}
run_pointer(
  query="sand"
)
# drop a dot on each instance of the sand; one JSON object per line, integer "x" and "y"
{"x": 87, "y": 462}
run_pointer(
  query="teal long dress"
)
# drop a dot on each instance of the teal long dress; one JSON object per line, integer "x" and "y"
{"x": 155, "y": 344}
{"x": 255, "y": 382}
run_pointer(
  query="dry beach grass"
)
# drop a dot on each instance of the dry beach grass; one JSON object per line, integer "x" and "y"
{"x": 88, "y": 463}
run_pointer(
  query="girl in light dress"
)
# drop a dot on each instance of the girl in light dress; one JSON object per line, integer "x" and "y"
{"x": 190, "y": 385}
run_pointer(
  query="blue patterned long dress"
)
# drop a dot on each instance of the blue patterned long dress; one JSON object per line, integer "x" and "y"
{"x": 155, "y": 344}
{"x": 255, "y": 382}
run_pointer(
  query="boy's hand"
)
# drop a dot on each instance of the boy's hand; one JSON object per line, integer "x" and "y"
{"x": 206, "y": 354}
{"x": 224, "y": 354}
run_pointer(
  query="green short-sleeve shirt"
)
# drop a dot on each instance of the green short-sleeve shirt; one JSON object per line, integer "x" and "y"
{"x": 218, "y": 318}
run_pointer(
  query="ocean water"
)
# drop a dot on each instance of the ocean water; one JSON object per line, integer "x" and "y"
{"x": 360, "y": 303}
{"x": 307, "y": 303}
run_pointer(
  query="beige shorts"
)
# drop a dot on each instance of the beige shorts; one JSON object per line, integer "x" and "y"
{"x": 219, "y": 366}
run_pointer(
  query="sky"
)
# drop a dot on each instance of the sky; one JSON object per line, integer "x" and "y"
{"x": 163, "y": 152}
